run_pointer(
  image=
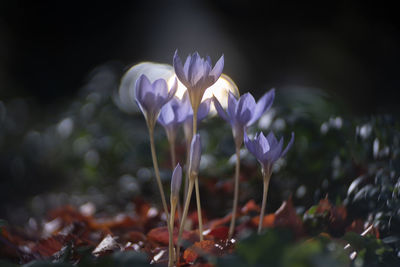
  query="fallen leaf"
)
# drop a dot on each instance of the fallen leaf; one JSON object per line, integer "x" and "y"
{"x": 219, "y": 233}
{"x": 108, "y": 244}
{"x": 47, "y": 247}
{"x": 199, "y": 248}
{"x": 268, "y": 221}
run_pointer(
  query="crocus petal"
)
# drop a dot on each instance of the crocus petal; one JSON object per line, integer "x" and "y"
{"x": 179, "y": 69}
{"x": 203, "y": 110}
{"x": 173, "y": 89}
{"x": 167, "y": 115}
{"x": 262, "y": 146}
{"x": 263, "y": 105}
{"x": 176, "y": 180}
{"x": 275, "y": 153}
{"x": 160, "y": 88}
{"x": 195, "y": 70}
{"x": 244, "y": 108}
{"x": 289, "y": 145}
{"x": 142, "y": 86}
{"x": 250, "y": 145}
{"x": 217, "y": 70}
{"x": 148, "y": 103}
{"x": 220, "y": 110}
{"x": 186, "y": 66}
{"x": 272, "y": 139}
{"x": 185, "y": 109}
{"x": 232, "y": 102}
{"x": 195, "y": 154}
{"x": 208, "y": 60}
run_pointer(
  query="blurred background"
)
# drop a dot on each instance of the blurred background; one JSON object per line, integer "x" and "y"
{"x": 61, "y": 63}
{"x": 47, "y": 48}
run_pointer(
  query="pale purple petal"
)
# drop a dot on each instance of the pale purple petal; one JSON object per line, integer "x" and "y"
{"x": 160, "y": 88}
{"x": 195, "y": 70}
{"x": 173, "y": 89}
{"x": 186, "y": 66}
{"x": 218, "y": 68}
{"x": 142, "y": 86}
{"x": 176, "y": 180}
{"x": 289, "y": 145}
{"x": 149, "y": 103}
{"x": 195, "y": 154}
{"x": 179, "y": 70}
{"x": 275, "y": 152}
{"x": 272, "y": 139}
{"x": 232, "y": 102}
{"x": 263, "y": 145}
{"x": 203, "y": 110}
{"x": 244, "y": 108}
{"x": 202, "y": 79}
{"x": 209, "y": 62}
{"x": 220, "y": 110}
{"x": 263, "y": 105}
{"x": 167, "y": 115}
{"x": 250, "y": 145}
{"x": 185, "y": 109}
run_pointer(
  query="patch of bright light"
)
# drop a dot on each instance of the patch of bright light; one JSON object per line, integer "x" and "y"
{"x": 125, "y": 97}
{"x": 220, "y": 89}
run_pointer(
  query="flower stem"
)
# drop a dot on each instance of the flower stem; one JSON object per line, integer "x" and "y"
{"x": 173, "y": 153}
{"x": 199, "y": 217}
{"x": 236, "y": 193}
{"x": 187, "y": 167}
{"x": 266, "y": 178}
{"x": 200, "y": 221}
{"x": 171, "y": 255}
{"x": 195, "y": 122}
{"x": 184, "y": 215}
{"x": 157, "y": 172}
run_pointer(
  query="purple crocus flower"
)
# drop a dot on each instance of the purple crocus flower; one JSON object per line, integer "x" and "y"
{"x": 176, "y": 181}
{"x": 197, "y": 75}
{"x": 267, "y": 150}
{"x": 195, "y": 155}
{"x": 150, "y": 97}
{"x": 172, "y": 114}
{"x": 243, "y": 112}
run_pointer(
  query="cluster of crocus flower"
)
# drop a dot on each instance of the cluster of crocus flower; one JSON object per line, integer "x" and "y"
{"x": 158, "y": 103}
{"x": 241, "y": 114}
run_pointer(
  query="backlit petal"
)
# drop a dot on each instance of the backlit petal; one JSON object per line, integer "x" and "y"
{"x": 217, "y": 70}
{"x": 262, "y": 106}
{"x": 220, "y": 110}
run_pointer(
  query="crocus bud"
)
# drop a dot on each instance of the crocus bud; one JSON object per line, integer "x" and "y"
{"x": 195, "y": 155}
{"x": 176, "y": 181}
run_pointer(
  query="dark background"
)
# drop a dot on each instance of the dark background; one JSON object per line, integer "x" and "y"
{"x": 48, "y": 48}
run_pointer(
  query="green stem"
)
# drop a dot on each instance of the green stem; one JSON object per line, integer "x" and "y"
{"x": 266, "y": 178}
{"x": 199, "y": 217}
{"x": 173, "y": 153}
{"x": 187, "y": 168}
{"x": 200, "y": 221}
{"x": 157, "y": 172}
{"x": 184, "y": 215}
{"x": 195, "y": 122}
{"x": 171, "y": 255}
{"x": 236, "y": 193}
